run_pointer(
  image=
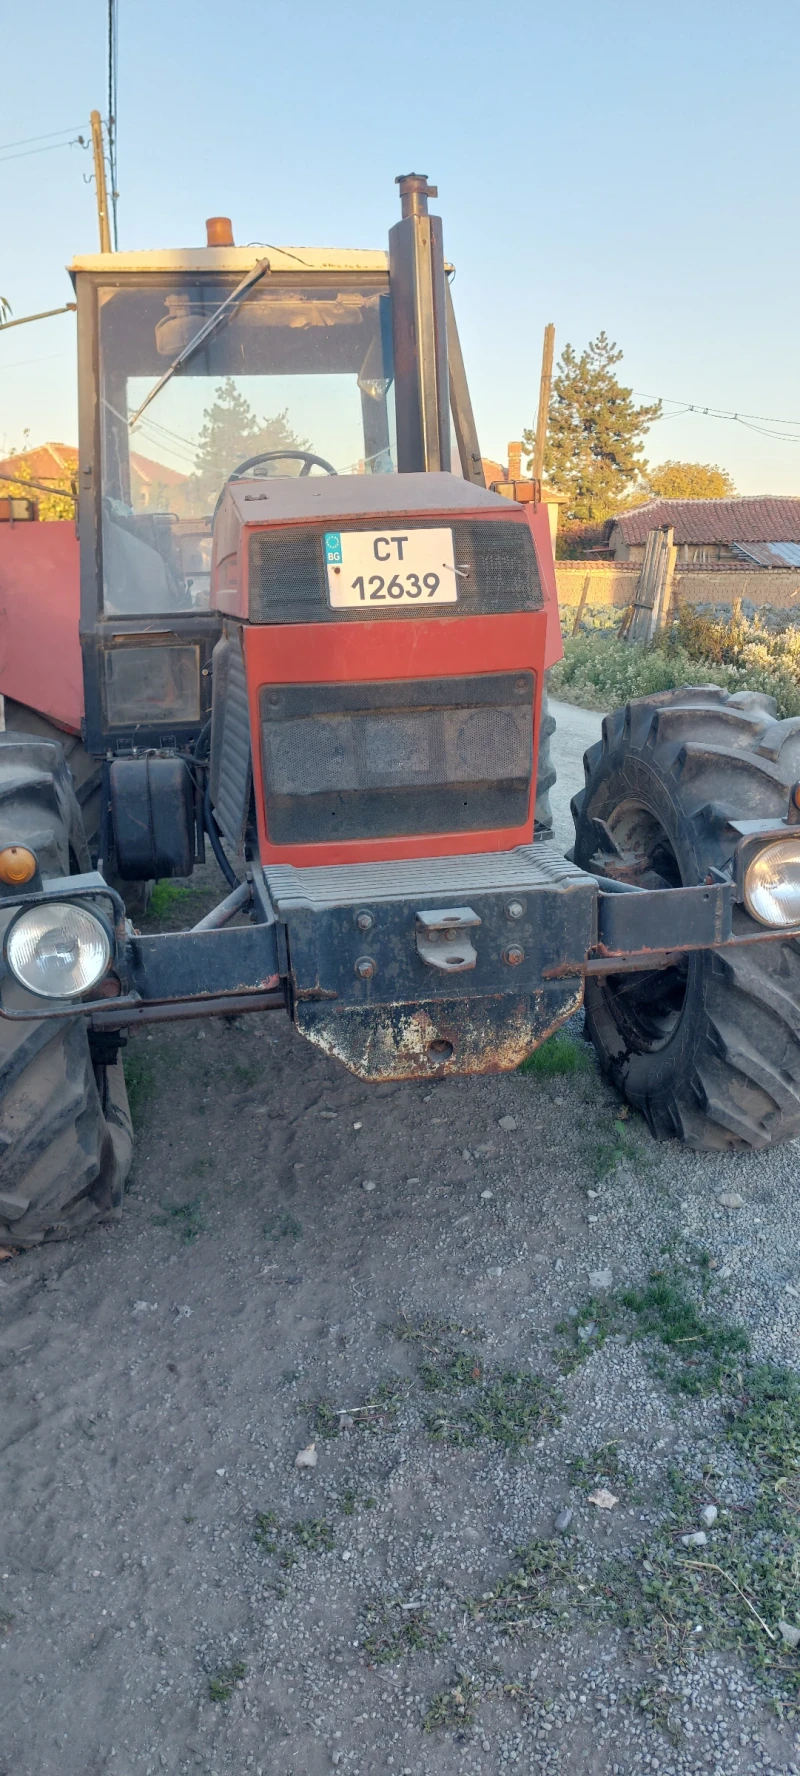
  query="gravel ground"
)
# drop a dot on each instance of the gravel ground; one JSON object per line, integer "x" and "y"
{"x": 179, "y": 1596}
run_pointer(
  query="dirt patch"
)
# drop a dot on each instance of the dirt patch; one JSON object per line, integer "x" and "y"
{"x": 177, "y": 1595}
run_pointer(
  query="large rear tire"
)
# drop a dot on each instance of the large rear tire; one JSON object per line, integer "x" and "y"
{"x": 709, "y": 1050}
{"x": 65, "y": 1130}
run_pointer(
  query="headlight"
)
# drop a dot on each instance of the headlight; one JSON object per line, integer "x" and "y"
{"x": 772, "y": 884}
{"x": 58, "y": 950}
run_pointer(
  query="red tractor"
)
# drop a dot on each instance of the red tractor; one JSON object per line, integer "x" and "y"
{"x": 318, "y": 643}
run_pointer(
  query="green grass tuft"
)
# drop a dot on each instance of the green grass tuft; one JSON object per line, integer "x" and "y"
{"x": 766, "y": 1426}
{"x": 165, "y": 897}
{"x": 222, "y": 1685}
{"x": 454, "y": 1707}
{"x": 281, "y": 1226}
{"x": 510, "y": 1408}
{"x": 695, "y": 1353}
{"x": 314, "y": 1534}
{"x": 395, "y": 1630}
{"x": 140, "y": 1082}
{"x": 185, "y": 1219}
{"x": 558, "y": 1055}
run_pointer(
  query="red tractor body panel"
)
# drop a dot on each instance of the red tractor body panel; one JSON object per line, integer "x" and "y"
{"x": 353, "y": 653}
{"x": 40, "y": 654}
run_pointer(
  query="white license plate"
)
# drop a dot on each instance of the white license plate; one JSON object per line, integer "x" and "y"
{"x": 376, "y": 569}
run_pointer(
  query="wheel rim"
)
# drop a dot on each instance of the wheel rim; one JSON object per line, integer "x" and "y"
{"x": 646, "y": 1006}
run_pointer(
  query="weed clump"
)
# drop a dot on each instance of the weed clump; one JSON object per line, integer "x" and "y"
{"x": 185, "y": 1219}
{"x": 559, "y": 1055}
{"x": 168, "y": 897}
{"x": 505, "y": 1406}
{"x": 705, "y": 1352}
{"x": 314, "y": 1534}
{"x": 140, "y": 1081}
{"x": 454, "y": 1707}
{"x": 535, "y": 1587}
{"x": 378, "y": 1413}
{"x": 510, "y": 1407}
{"x": 282, "y": 1225}
{"x": 396, "y": 1630}
{"x": 222, "y": 1685}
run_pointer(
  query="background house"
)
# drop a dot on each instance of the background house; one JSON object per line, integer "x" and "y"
{"x": 764, "y": 530}
{"x": 56, "y": 466}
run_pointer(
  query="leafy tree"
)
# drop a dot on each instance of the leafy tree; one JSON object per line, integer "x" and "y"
{"x": 689, "y": 480}
{"x": 230, "y": 433}
{"x": 5, "y": 308}
{"x": 593, "y": 450}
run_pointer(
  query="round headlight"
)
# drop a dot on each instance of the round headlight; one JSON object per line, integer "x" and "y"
{"x": 58, "y": 950}
{"x": 772, "y": 884}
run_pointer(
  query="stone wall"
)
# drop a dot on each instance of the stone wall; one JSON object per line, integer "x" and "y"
{"x": 763, "y": 591}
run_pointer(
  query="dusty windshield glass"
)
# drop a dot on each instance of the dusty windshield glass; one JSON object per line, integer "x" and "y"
{"x": 300, "y": 367}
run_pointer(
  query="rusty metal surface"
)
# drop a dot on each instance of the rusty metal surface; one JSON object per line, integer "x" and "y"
{"x": 434, "y": 1039}
{"x": 668, "y": 918}
{"x": 120, "y": 1017}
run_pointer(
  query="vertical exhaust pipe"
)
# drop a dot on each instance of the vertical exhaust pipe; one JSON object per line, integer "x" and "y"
{"x": 419, "y": 328}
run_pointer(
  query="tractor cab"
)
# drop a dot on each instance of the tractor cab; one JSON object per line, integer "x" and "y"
{"x": 228, "y": 364}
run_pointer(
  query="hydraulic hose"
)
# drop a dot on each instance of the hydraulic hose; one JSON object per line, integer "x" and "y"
{"x": 214, "y": 839}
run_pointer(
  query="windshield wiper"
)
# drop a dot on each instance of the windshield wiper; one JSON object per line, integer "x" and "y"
{"x": 220, "y": 314}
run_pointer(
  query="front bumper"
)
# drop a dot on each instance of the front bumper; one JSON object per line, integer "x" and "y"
{"x": 352, "y": 953}
{"x": 362, "y": 990}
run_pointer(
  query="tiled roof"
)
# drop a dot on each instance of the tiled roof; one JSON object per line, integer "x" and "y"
{"x": 49, "y": 462}
{"x": 54, "y": 462}
{"x": 765, "y": 519}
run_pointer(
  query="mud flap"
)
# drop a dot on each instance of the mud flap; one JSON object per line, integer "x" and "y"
{"x": 438, "y": 1037}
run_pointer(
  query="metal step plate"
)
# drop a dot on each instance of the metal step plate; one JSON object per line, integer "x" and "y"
{"x": 420, "y": 879}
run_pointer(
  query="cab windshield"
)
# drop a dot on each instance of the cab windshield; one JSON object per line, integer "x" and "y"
{"x": 300, "y": 369}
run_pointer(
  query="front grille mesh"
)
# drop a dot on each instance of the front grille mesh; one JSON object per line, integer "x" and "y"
{"x": 389, "y": 759}
{"x": 287, "y": 582}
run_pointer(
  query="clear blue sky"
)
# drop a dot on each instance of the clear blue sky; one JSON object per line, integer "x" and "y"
{"x": 629, "y": 166}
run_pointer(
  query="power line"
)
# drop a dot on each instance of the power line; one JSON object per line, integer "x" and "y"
{"x": 76, "y": 142}
{"x": 47, "y": 136}
{"x": 748, "y": 420}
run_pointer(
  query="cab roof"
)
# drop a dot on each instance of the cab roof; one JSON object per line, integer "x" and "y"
{"x": 236, "y": 259}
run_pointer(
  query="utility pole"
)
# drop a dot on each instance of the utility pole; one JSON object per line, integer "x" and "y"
{"x": 100, "y": 182}
{"x": 544, "y": 401}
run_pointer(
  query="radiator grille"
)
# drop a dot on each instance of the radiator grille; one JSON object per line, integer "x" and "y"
{"x": 287, "y": 582}
{"x": 379, "y": 760}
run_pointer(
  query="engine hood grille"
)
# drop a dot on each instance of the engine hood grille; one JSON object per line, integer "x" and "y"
{"x": 391, "y": 759}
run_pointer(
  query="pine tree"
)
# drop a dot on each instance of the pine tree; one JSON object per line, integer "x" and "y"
{"x": 230, "y": 433}
{"x": 593, "y": 450}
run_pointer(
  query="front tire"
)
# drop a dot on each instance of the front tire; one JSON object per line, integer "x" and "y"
{"x": 65, "y": 1129}
{"x": 708, "y": 1050}
{"x": 66, "y": 1143}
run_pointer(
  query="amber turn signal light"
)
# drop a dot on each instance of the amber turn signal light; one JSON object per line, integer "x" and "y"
{"x": 794, "y": 796}
{"x": 17, "y": 865}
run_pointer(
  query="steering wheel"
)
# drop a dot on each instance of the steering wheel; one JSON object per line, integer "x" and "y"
{"x": 306, "y": 457}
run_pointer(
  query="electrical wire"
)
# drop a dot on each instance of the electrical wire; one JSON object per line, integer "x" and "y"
{"x": 47, "y": 136}
{"x": 76, "y": 142}
{"x": 748, "y": 420}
